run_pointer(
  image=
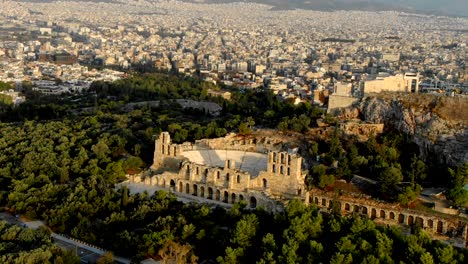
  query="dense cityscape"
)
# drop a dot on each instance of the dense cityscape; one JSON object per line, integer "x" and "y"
{"x": 168, "y": 131}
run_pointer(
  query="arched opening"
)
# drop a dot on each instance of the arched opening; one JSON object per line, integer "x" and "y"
{"x": 202, "y": 191}
{"x": 373, "y": 213}
{"x": 175, "y": 151}
{"x": 198, "y": 170}
{"x": 168, "y": 150}
{"x": 187, "y": 188}
{"x": 210, "y": 193}
{"x": 241, "y": 197}
{"x": 356, "y": 209}
{"x": 382, "y": 214}
{"x": 316, "y": 200}
{"x": 289, "y": 171}
{"x": 238, "y": 178}
{"x": 195, "y": 190}
{"x": 218, "y": 175}
{"x": 289, "y": 159}
{"x": 282, "y": 158}
{"x": 226, "y": 197}
{"x": 233, "y": 198}
{"x": 172, "y": 185}
{"x": 392, "y": 215}
{"x": 364, "y": 210}
{"x": 310, "y": 200}
{"x": 299, "y": 192}
{"x": 274, "y": 157}
{"x": 324, "y": 202}
{"x": 253, "y": 202}
{"x": 347, "y": 207}
{"x": 181, "y": 187}
{"x": 401, "y": 218}
{"x": 440, "y": 227}
{"x": 227, "y": 177}
{"x": 265, "y": 184}
{"x": 281, "y": 170}
{"x": 274, "y": 168}
{"x": 430, "y": 223}
{"x": 410, "y": 220}
{"x": 218, "y": 195}
{"x": 419, "y": 222}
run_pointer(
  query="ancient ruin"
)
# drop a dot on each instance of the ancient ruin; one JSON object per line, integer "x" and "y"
{"x": 260, "y": 172}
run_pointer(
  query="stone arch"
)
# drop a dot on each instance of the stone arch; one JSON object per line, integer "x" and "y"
{"x": 181, "y": 187}
{"x": 195, "y": 190}
{"x": 218, "y": 175}
{"x": 365, "y": 210}
{"x": 175, "y": 151}
{"x": 168, "y": 150}
{"x": 282, "y": 158}
{"x": 418, "y": 221}
{"x": 430, "y": 223}
{"x": 233, "y": 198}
{"x": 401, "y": 218}
{"x": 172, "y": 185}
{"x": 197, "y": 170}
{"x": 324, "y": 202}
{"x": 226, "y": 197}
{"x": 392, "y": 215}
{"x": 210, "y": 193}
{"x": 299, "y": 192}
{"x": 311, "y": 200}
{"x": 373, "y": 213}
{"x": 238, "y": 178}
{"x": 265, "y": 183}
{"x": 241, "y": 197}
{"x": 253, "y": 202}
{"x": 382, "y": 214}
{"x": 202, "y": 191}
{"x": 274, "y": 168}
{"x": 163, "y": 184}
{"x": 289, "y": 159}
{"x": 187, "y": 188}
{"x": 281, "y": 169}
{"x": 227, "y": 177}
{"x": 218, "y": 195}
{"x": 410, "y": 220}
{"x": 347, "y": 207}
{"x": 289, "y": 171}
{"x": 274, "y": 157}
{"x": 356, "y": 209}
{"x": 440, "y": 227}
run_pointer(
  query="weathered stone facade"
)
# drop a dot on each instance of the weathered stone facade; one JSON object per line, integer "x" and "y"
{"x": 279, "y": 180}
{"x": 282, "y": 178}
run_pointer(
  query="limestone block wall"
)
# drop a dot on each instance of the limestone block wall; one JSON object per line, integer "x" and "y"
{"x": 336, "y": 102}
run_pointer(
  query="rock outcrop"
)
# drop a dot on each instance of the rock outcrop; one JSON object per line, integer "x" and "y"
{"x": 438, "y": 125}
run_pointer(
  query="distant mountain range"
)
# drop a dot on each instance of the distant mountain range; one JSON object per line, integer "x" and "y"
{"x": 431, "y": 7}
{"x": 436, "y": 7}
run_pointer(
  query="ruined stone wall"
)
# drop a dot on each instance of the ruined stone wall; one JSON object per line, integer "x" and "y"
{"x": 390, "y": 214}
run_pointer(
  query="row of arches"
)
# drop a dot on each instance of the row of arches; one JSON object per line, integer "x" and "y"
{"x": 434, "y": 225}
{"x": 213, "y": 193}
{"x": 281, "y": 157}
{"x": 204, "y": 173}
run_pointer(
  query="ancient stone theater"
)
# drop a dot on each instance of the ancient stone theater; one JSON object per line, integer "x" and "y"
{"x": 229, "y": 169}
{"x": 264, "y": 172}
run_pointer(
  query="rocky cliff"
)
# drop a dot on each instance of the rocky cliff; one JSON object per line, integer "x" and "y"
{"x": 437, "y": 124}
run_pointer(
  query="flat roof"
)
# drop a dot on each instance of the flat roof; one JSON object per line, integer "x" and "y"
{"x": 250, "y": 162}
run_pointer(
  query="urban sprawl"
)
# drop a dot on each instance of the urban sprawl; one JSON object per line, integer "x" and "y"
{"x": 301, "y": 55}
